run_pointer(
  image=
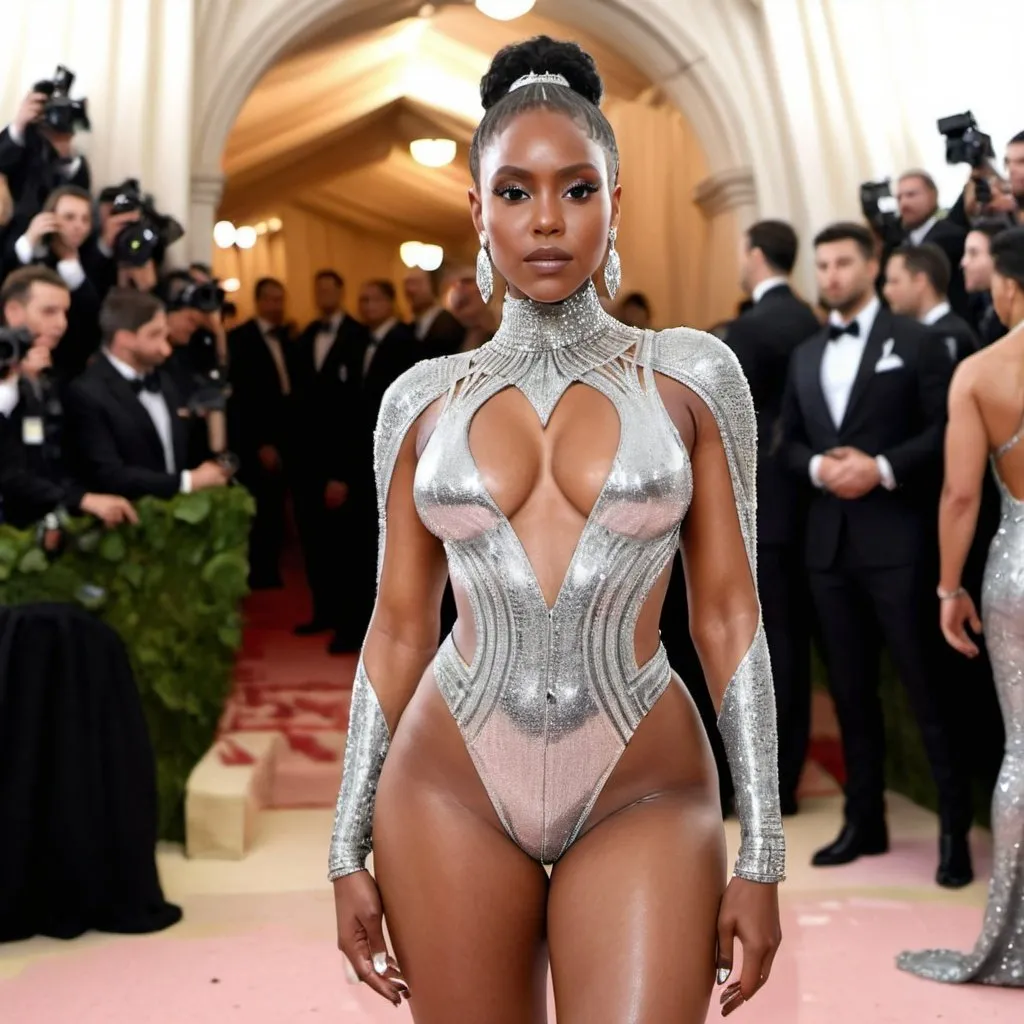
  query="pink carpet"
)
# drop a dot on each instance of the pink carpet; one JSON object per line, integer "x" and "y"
{"x": 271, "y": 960}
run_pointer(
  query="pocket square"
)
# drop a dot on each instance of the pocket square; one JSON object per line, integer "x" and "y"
{"x": 343, "y": 373}
{"x": 888, "y": 360}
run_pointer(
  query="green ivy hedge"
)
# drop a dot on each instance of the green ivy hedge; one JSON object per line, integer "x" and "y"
{"x": 171, "y": 587}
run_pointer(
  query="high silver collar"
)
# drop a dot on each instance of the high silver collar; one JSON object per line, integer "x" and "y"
{"x": 528, "y": 326}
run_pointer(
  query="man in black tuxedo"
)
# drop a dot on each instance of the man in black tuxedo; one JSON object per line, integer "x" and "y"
{"x": 863, "y": 418}
{"x": 916, "y": 281}
{"x": 258, "y": 424}
{"x": 325, "y": 472}
{"x": 436, "y": 331}
{"x": 977, "y": 268}
{"x": 918, "y": 198}
{"x": 126, "y": 435}
{"x": 764, "y": 337}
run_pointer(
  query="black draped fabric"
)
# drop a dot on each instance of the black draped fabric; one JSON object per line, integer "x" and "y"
{"x": 77, "y": 782}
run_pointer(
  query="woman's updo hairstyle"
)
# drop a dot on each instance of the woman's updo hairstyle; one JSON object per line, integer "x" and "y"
{"x": 543, "y": 55}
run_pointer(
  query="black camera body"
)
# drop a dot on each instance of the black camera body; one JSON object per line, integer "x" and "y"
{"x": 150, "y": 235}
{"x": 62, "y": 114}
{"x": 881, "y": 211}
{"x": 965, "y": 144}
{"x": 205, "y": 296}
{"x": 14, "y": 343}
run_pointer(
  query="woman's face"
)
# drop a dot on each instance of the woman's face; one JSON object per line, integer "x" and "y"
{"x": 546, "y": 205}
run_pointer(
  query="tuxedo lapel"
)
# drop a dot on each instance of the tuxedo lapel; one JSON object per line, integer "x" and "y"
{"x": 881, "y": 330}
{"x": 122, "y": 392}
{"x": 179, "y": 426}
{"x": 813, "y": 397}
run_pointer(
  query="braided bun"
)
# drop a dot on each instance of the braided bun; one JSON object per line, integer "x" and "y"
{"x": 541, "y": 55}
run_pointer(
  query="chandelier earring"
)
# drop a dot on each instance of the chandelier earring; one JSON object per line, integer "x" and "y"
{"x": 484, "y": 270}
{"x": 612, "y": 266}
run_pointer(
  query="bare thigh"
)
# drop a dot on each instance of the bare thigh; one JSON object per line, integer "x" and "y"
{"x": 465, "y": 906}
{"x": 633, "y": 911}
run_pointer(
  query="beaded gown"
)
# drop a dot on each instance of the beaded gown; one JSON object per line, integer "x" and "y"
{"x": 998, "y": 955}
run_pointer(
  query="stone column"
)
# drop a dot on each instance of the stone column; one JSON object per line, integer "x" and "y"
{"x": 204, "y": 198}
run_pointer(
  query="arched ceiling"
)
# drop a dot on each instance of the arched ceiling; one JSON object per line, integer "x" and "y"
{"x": 328, "y": 127}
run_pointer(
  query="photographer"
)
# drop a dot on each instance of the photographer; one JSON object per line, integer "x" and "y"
{"x": 37, "y": 152}
{"x": 34, "y": 480}
{"x": 125, "y": 431}
{"x": 987, "y": 194}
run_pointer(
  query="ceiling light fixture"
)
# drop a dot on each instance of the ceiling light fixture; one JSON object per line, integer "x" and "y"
{"x": 433, "y": 152}
{"x": 504, "y": 10}
{"x": 422, "y": 255}
{"x": 274, "y": 224}
{"x": 224, "y": 234}
{"x": 245, "y": 236}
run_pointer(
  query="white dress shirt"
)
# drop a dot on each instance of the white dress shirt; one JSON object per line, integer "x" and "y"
{"x": 324, "y": 340}
{"x": 9, "y": 395}
{"x": 762, "y": 289}
{"x": 918, "y": 235}
{"x": 156, "y": 405}
{"x": 377, "y": 335}
{"x": 935, "y": 313}
{"x": 276, "y": 353}
{"x": 425, "y": 321}
{"x": 70, "y": 270}
{"x": 839, "y": 365}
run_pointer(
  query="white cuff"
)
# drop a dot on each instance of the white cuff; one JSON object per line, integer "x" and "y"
{"x": 886, "y": 473}
{"x": 16, "y": 137}
{"x": 72, "y": 273}
{"x": 186, "y": 482}
{"x": 812, "y": 470}
{"x": 24, "y": 251}
{"x": 9, "y": 395}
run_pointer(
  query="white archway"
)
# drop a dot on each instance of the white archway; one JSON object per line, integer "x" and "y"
{"x": 235, "y": 48}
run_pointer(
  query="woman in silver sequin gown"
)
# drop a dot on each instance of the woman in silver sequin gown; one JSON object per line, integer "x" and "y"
{"x": 554, "y": 474}
{"x": 986, "y": 425}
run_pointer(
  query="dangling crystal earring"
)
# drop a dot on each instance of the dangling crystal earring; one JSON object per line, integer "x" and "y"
{"x": 612, "y": 266}
{"x": 484, "y": 273}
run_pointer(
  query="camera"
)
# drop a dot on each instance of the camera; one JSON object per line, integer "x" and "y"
{"x": 62, "y": 113}
{"x": 207, "y": 297}
{"x": 14, "y": 343}
{"x": 882, "y": 210}
{"x": 965, "y": 144}
{"x": 150, "y": 235}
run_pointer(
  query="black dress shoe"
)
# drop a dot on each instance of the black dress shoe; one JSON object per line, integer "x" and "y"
{"x": 955, "y": 870}
{"x": 314, "y": 627}
{"x": 854, "y": 841}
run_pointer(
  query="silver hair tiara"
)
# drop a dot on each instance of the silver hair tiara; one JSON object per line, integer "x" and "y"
{"x": 534, "y": 79}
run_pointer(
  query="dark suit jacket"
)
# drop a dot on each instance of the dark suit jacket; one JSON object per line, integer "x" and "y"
{"x": 113, "y": 446}
{"x": 394, "y": 355}
{"x": 956, "y": 335}
{"x": 327, "y": 402}
{"x": 34, "y": 479}
{"x": 899, "y": 413}
{"x": 950, "y": 238}
{"x": 258, "y": 410}
{"x": 764, "y": 338}
{"x": 444, "y": 338}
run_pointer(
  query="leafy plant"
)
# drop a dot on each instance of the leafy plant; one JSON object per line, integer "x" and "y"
{"x": 172, "y": 588}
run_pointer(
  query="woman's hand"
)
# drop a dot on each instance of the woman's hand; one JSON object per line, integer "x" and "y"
{"x": 953, "y": 613}
{"x": 360, "y": 918}
{"x": 750, "y": 913}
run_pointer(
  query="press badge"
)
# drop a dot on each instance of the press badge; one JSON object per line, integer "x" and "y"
{"x": 32, "y": 430}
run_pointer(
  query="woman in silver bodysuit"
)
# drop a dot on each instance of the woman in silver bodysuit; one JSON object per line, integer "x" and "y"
{"x": 553, "y": 473}
{"x": 986, "y": 425}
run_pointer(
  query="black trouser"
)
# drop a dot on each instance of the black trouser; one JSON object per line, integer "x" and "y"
{"x": 858, "y": 608}
{"x": 266, "y": 537}
{"x": 785, "y": 608}
{"x": 322, "y": 534}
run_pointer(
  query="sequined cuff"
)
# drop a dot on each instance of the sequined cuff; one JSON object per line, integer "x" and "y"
{"x": 749, "y": 733}
{"x": 365, "y": 749}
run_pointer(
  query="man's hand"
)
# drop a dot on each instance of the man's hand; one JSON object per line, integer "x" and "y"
{"x": 114, "y": 224}
{"x": 270, "y": 458}
{"x": 42, "y": 224}
{"x": 209, "y": 474}
{"x": 335, "y": 494}
{"x": 111, "y": 509}
{"x": 31, "y": 110}
{"x": 61, "y": 142}
{"x": 37, "y": 359}
{"x": 853, "y": 473}
{"x": 142, "y": 279}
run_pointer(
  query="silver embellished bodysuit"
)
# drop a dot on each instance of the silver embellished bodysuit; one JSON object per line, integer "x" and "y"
{"x": 554, "y": 694}
{"x": 998, "y": 955}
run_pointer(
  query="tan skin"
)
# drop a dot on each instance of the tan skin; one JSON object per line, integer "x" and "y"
{"x": 986, "y": 406}
{"x": 474, "y": 920}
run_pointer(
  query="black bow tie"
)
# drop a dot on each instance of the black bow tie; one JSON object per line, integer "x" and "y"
{"x": 838, "y": 330}
{"x": 151, "y": 383}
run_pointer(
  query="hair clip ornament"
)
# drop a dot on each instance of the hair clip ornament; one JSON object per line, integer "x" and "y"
{"x": 534, "y": 79}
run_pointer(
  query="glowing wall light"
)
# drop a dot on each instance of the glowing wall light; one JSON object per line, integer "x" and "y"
{"x": 245, "y": 236}
{"x": 433, "y": 152}
{"x": 421, "y": 254}
{"x": 224, "y": 234}
{"x": 232, "y": 284}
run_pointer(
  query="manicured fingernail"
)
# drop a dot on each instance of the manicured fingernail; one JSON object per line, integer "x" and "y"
{"x": 723, "y": 974}
{"x": 380, "y": 963}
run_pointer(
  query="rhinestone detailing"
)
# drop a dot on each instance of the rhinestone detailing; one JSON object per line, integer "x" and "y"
{"x": 998, "y": 954}
{"x": 533, "y": 78}
{"x": 484, "y": 270}
{"x": 613, "y": 266}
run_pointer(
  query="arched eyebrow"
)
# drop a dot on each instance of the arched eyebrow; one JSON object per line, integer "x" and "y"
{"x": 509, "y": 171}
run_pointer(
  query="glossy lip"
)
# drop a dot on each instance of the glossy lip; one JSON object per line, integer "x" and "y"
{"x": 548, "y": 260}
